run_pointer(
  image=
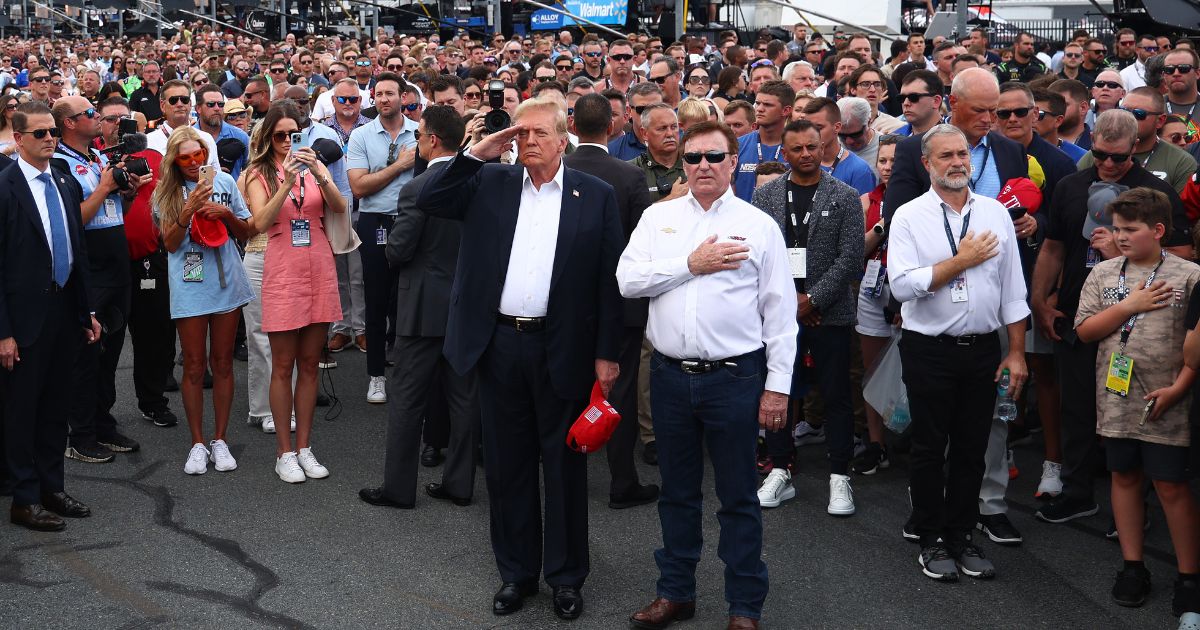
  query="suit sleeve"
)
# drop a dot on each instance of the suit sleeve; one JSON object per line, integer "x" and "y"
{"x": 406, "y": 230}
{"x": 6, "y": 329}
{"x": 848, "y": 265}
{"x": 905, "y": 183}
{"x": 608, "y": 298}
{"x": 448, "y": 194}
{"x": 639, "y": 200}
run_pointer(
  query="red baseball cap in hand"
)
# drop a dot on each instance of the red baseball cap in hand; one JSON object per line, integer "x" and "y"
{"x": 595, "y": 425}
{"x": 1021, "y": 192}
{"x": 208, "y": 232}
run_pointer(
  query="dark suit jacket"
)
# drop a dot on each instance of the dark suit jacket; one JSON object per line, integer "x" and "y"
{"x": 583, "y": 319}
{"x": 26, "y": 267}
{"x": 627, "y": 181}
{"x": 425, "y": 251}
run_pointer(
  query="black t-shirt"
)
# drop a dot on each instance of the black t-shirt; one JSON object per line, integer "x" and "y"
{"x": 144, "y": 101}
{"x": 795, "y": 224}
{"x": 1066, "y": 226}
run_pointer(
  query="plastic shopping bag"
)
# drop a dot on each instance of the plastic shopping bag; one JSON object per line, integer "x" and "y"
{"x": 884, "y": 390}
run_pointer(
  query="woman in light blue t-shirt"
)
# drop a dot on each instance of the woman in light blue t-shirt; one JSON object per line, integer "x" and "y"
{"x": 208, "y": 285}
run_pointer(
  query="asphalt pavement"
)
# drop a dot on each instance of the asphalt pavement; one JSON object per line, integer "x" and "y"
{"x": 243, "y": 549}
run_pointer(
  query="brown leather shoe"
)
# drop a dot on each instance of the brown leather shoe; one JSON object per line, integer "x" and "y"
{"x": 661, "y": 613}
{"x": 35, "y": 518}
{"x": 361, "y": 342}
{"x": 63, "y": 504}
{"x": 742, "y": 623}
{"x": 338, "y": 342}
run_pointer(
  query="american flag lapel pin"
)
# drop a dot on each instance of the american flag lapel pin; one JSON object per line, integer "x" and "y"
{"x": 574, "y": 192}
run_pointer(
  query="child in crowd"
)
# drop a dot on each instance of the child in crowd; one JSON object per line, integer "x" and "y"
{"x": 1134, "y": 305}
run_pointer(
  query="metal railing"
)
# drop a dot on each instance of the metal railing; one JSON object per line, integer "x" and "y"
{"x": 1054, "y": 31}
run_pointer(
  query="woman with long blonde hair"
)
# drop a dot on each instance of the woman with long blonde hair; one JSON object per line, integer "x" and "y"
{"x": 199, "y": 218}
{"x": 290, "y": 192}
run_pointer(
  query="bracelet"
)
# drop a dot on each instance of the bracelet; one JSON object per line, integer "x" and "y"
{"x": 319, "y": 181}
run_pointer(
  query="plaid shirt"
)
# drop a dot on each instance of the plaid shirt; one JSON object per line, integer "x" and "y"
{"x": 332, "y": 123}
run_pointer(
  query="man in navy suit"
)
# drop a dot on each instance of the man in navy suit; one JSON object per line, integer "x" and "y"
{"x": 535, "y": 309}
{"x": 44, "y": 315}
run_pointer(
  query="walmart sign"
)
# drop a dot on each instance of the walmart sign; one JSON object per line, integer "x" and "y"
{"x": 598, "y": 11}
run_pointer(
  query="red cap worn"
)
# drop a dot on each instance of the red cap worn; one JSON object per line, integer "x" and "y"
{"x": 595, "y": 425}
{"x": 1021, "y": 192}
{"x": 208, "y": 232}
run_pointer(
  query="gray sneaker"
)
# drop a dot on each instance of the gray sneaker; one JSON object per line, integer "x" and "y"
{"x": 938, "y": 564}
{"x": 972, "y": 562}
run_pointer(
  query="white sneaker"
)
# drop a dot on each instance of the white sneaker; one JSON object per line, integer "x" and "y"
{"x": 1051, "y": 484}
{"x": 293, "y": 423}
{"x": 312, "y": 468}
{"x": 776, "y": 488}
{"x": 197, "y": 461}
{"x": 805, "y": 434}
{"x": 288, "y": 468}
{"x": 220, "y": 456}
{"x": 841, "y": 497}
{"x": 376, "y": 391}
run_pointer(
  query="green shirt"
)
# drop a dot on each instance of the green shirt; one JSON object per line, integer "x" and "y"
{"x": 1165, "y": 161}
{"x": 659, "y": 178}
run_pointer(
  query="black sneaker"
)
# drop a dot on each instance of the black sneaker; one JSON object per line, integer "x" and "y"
{"x": 937, "y": 563}
{"x": 909, "y": 531}
{"x": 90, "y": 453}
{"x": 999, "y": 529}
{"x": 118, "y": 443}
{"x": 171, "y": 385}
{"x": 650, "y": 453}
{"x": 1111, "y": 532}
{"x": 874, "y": 459}
{"x": 1063, "y": 510}
{"x": 1187, "y": 597}
{"x": 161, "y": 418}
{"x": 1132, "y": 587}
{"x": 971, "y": 562}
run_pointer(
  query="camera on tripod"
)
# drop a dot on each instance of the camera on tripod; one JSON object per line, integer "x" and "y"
{"x": 129, "y": 141}
{"x": 497, "y": 119}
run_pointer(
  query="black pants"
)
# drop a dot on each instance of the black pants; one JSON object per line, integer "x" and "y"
{"x": 624, "y": 397}
{"x": 95, "y": 370}
{"x": 151, "y": 330}
{"x": 35, "y": 408}
{"x": 419, "y": 363}
{"x": 951, "y": 396}
{"x": 523, "y": 419}
{"x": 379, "y": 282}
{"x": 436, "y": 432}
{"x": 1077, "y": 380}
{"x": 830, "y": 348}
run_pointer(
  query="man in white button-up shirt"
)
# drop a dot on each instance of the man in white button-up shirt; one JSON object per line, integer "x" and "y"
{"x": 723, "y": 326}
{"x": 953, "y": 262}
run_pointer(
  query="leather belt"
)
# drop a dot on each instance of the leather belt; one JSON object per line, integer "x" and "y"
{"x": 698, "y": 366}
{"x": 963, "y": 340}
{"x": 522, "y": 324}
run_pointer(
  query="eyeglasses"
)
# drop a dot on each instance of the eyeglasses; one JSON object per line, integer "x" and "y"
{"x": 41, "y": 134}
{"x": 282, "y": 136}
{"x": 1183, "y": 68}
{"x": 868, "y": 85}
{"x": 195, "y": 158}
{"x": 699, "y": 79}
{"x": 472, "y": 94}
{"x": 1139, "y": 113}
{"x": 1019, "y": 112}
{"x": 1117, "y": 158}
{"x": 179, "y": 100}
{"x": 660, "y": 80}
{"x": 712, "y": 157}
{"x": 593, "y": 54}
{"x": 545, "y": 79}
{"x": 90, "y": 113}
{"x": 411, "y": 107}
{"x": 343, "y": 100}
{"x": 621, "y": 57}
{"x": 914, "y": 97}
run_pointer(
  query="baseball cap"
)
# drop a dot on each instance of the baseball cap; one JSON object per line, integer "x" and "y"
{"x": 208, "y": 232}
{"x": 595, "y": 425}
{"x": 1100, "y": 194}
{"x": 1021, "y": 192}
{"x": 234, "y": 106}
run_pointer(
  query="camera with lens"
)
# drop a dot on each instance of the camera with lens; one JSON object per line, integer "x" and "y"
{"x": 129, "y": 141}
{"x": 497, "y": 119}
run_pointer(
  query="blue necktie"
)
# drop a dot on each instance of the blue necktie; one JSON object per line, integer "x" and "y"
{"x": 59, "y": 245}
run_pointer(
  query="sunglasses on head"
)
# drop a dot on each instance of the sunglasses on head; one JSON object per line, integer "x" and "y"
{"x": 195, "y": 158}
{"x": 762, "y": 62}
{"x": 1183, "y": 68}
{"x": 712, "y": 157}
{"x": 621, "y": 57}
{"x": 1019, "y": 112}
{"x": 1139, "y": 113}
{"x": 1117, "y": 158}
{"x": 348, "y": 99}
{"x": 41, "y": 134}
{"x": 1112, "y": 85}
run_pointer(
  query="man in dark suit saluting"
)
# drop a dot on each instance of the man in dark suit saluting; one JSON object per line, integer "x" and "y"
{"x": 43, "y": 307}
{"x": 535, "y": 308}
{"x": 424, "y": 250}
{"x": 593, "y": 116}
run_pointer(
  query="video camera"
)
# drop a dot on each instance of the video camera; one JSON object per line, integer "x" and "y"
{"x": 497, "y": 119}
{"x": 129, "y": 141}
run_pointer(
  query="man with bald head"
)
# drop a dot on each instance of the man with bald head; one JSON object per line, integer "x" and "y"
{"x": 1107, "y": 91}
{"x": 974, "y": 98}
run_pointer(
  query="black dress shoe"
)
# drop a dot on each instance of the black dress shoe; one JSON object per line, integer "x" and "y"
{"x": 650, "y": 454}
{"x": 436, "y": 491}
{"x": 640, "y": 495}
{"x": 35, "y": 518}
{"x": 62, "y": 504}
{"x": 374, "y": 496}
{"x": 511, "y": 596}
{"x": 568, "y": 603}
{"x": 431, "y": 456}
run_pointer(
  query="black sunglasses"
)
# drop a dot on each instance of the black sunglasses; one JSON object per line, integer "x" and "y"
{"x": 1183, "y": 68}
{"x": 1112, "y": 85}
{"x": 40, "y": 79}
{"x": 621, "y": 57}
{"x": 712, "y": 157}
{"x": 278, "y": 70}
{"x": 1117, "y": 158}
{"x": 660, "y": 80}
{"x": 544, "y": 79}
{"x": 565, "y": 68}
{"x": 914, "y": 97}
{"x": 1019, "y": 112}
{"x": 699, "y": 78}
{"x": 854, "y": 134}
{"x": 1139, "y": 113}
{"x": 177, "y": 100}
{"x": 348, "y": 99}
{"x": 214, "y": 103}
{"x": 41, "y": 134}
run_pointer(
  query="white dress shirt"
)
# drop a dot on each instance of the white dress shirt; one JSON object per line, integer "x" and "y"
{"x": 917, "y": 241}
{"x": 39, "y": 191}
{"x": 1134, "y": 76}
{"x": 527, "y": 284}
{"x": 157, "y": 141}
{"x": 719, "y": 315}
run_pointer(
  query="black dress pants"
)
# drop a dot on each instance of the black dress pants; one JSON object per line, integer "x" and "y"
{"x": 151, "y": 330}
{"x": 624, "y": 397}
{"x": 95, "y": 370}
{"x": 1076, "y": 362}
{"x": 379, "y": 283}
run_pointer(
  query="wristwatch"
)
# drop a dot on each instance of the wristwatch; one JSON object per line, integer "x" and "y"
{"x": 878, "y": 227}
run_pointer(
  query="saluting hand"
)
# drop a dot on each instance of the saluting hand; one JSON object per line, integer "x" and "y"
{"x": 492, "y": 146}
{"x": 711, "y": 256}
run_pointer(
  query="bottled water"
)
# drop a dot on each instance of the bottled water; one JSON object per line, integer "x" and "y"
{"x": 899, "y": 419}
{"x": 1006, "y": 408}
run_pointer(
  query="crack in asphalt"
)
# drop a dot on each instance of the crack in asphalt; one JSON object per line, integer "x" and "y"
{"x": 164, "y": 515}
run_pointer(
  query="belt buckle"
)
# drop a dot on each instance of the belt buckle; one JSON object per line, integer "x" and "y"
{"x": 965, "y": 340}
{"x": 522, "y": 323}
{"x": 691, "y": 367}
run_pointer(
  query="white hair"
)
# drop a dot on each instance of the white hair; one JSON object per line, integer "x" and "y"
{"x": 942, "y": 129}
{"x": 854, "y": 107}
{"x": 790, "y": 69}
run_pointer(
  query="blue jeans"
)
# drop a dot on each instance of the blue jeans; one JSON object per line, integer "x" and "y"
{"x": 720, "y": 408}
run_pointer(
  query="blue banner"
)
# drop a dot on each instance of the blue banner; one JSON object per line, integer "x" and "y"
{"x": 598, "y": 11}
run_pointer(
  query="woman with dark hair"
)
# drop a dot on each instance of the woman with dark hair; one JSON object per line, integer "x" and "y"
{"x": 8, "y": 107}
{"x": 116, "y": 70}
{"x": 290, "y": 192}
{"x": 697, "y": 81}
{"x": 472, "y": 93}
{"x": 731, "y": 86}
{"x": 199, "y": 219}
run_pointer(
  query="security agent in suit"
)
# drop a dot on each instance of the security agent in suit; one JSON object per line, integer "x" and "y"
{"x": 592, "y": 119}
{"x": 424, "y": 251}
{"x": 535, "y": 309}
{"x": 43, "y": 307}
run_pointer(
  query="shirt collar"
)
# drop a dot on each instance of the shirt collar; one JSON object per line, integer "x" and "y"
{"x": 945, "y": 207}
{"x": 593, "y": 144}
{"x": 444, "y": 158}
{"x": 983, "y": 142}
{"x": 716, "y": 205}
{"x": 558, "y": 177}
{"x": 30, "y": 171}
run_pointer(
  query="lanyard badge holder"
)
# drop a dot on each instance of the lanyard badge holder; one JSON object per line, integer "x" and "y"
{"x": 1120, "y": 365}
{"x": 875, "y": 275}
{"x": 193, "y": 266}
{"x": 797, "y": 233}
{"x": 301, "y": 228}
{"x": 958, "y": 286}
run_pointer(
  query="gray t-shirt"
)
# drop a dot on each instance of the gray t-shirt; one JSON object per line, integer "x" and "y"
{"x": 870, "y": 154}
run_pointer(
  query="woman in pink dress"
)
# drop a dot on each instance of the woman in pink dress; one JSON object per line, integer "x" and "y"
{"x": 289, "y": 191}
